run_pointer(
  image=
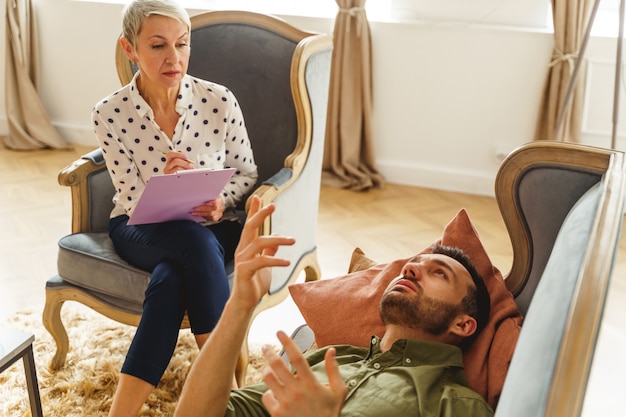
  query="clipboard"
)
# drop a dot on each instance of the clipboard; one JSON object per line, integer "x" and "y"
{"x": 173, "y": 196}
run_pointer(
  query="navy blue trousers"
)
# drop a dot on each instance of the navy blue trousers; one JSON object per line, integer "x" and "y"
{"x": 186, "y": 261}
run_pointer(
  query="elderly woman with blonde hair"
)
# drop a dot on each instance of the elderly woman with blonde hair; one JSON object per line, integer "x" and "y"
{"x": 165, "y": 121}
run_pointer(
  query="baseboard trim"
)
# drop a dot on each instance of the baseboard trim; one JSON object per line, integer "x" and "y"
{"x": 436, "y": 178}
{"x": 72, "y": 133}
{"x": 77, "y": 134}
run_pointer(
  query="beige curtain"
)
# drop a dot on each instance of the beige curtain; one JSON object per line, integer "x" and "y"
{"x": 29, "y": 124}
{"x": 571, "y": 18}
{"x": 348, "y": 154}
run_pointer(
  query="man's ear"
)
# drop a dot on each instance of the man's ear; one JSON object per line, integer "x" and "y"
{"x": 463, "y": 326}
{"x": 128, "y": 49}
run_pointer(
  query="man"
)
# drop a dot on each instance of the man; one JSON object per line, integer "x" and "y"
{"x": 435, "y": 306}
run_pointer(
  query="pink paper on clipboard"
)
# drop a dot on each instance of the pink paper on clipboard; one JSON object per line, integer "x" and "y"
{"x": 173, "y": 196}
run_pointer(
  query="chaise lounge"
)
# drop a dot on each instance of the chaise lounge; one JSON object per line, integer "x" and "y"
{"x": 563, "y": 206}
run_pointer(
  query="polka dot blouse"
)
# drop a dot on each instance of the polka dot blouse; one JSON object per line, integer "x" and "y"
{"x": 210, "y": 131}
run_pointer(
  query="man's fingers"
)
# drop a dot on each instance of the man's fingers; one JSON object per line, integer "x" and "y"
{"x": 255, "y": 204}
{"x": 255, "y": 264}
{"x": 300, "y": 365}
{"x": 278, "y": 374}
{"x": 270, "y": 402}
{"x": 266, "y": 246}
{"x": 255, "y": 255}
{"x": 270, "y": 378}
{"x": 256, "y": 217}
{"x": 251, "y": 244}
{"x": 257, "y": 214}
{"x": 335, "y": 381}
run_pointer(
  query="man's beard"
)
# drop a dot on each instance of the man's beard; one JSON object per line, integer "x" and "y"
{"x": 421, "y": 313}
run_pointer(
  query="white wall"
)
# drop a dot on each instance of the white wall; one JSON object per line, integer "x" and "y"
{"x": 449, "y": 100}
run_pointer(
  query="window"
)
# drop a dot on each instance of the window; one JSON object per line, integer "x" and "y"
{"x": 378, "y": 9}
{"x": 606, "y": 22}
{"x": 529, "y": 13}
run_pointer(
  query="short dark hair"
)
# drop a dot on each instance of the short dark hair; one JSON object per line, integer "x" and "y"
{"x": 477, "y": 301}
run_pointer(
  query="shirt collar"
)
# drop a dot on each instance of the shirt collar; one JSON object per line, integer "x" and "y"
{"x": 419, "y": 352}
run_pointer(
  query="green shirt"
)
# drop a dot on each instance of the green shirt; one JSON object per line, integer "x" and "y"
{"x": 413, "y": 378}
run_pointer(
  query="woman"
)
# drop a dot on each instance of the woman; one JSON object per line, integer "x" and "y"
{"x": 165, "y": 121}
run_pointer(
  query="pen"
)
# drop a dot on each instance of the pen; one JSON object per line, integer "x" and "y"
{"x": 185, "y": 159}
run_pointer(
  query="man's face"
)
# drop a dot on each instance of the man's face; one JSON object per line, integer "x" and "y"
{"x": 427, "y": 296}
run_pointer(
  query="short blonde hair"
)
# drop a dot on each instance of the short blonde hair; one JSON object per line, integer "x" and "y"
{"x": 136, "y": 11}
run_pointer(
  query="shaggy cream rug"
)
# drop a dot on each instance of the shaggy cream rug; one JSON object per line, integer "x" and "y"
{"x": 85, "y": 385}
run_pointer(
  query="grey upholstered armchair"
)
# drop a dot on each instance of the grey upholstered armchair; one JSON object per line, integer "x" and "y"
{"x": 280, "y": 75}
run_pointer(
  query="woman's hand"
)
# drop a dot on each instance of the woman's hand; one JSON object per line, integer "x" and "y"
{"x": 176, "y": 161}
{"x": 211, "y": 210}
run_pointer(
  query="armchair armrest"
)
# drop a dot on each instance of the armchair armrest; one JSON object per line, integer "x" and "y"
{"x": 77, "y": 171}
{"x": 280, "y": 179}
{"x": 90, "y": 209}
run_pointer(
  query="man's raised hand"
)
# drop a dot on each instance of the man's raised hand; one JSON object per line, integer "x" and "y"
{"x": 254, "y": 257}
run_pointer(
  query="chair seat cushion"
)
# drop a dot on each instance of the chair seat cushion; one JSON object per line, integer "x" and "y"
{"x": 88, "y": 260}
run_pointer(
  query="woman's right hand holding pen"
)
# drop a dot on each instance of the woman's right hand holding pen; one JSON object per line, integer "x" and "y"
{"x": 176, "y": 161}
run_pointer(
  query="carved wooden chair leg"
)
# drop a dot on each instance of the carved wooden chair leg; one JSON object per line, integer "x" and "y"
{"x": 313, "y": 271}
{"x": 52, "y": 322}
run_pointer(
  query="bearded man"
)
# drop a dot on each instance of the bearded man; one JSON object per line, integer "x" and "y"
{"x": 435, "y": 308}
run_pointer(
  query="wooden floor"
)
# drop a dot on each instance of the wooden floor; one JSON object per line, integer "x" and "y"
{"x": 393, "y": 222}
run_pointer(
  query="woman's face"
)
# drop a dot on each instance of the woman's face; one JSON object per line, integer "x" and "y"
{"x": 161, "y": 52}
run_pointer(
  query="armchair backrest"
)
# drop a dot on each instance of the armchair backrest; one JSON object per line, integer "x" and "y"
{"x": 535, "y": 189}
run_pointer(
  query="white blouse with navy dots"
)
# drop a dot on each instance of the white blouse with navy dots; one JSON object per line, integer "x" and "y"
{"x": 210, "y": 131}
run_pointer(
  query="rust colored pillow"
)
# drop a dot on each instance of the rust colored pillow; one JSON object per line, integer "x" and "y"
{"x": 344, "y": 310}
